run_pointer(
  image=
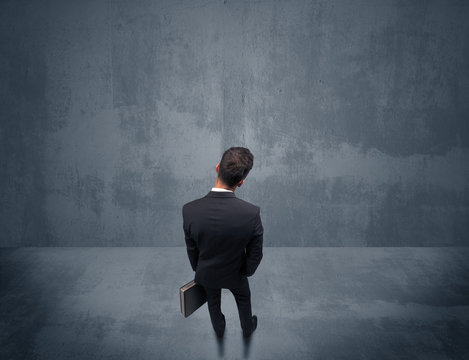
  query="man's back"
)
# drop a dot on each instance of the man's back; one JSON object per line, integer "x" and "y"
{"x": 224, "y": 236}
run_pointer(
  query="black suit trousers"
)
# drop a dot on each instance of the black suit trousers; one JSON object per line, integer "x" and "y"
{"x": 242, "y": 297}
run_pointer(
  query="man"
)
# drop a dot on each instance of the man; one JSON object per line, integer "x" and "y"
{"x": 224, "y": 237}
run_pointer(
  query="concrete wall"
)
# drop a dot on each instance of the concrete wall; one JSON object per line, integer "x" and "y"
{"x": 115, "y": 113}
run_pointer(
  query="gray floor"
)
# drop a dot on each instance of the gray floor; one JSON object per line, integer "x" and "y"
{"x": 312, "y": 303}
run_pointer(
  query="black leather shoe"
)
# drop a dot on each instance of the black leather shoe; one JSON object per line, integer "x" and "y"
{"x": 220, "y": 335}
{"x": 254, "y": 326}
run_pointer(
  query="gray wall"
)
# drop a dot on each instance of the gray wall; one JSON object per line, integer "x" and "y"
{"x": 115, "y": 113}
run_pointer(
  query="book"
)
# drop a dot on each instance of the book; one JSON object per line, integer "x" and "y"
{"x": 192, "y": 297}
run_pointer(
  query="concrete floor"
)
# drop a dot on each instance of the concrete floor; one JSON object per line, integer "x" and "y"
{"x": 312, "y": 303}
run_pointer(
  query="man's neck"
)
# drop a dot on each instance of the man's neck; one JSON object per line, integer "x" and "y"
{"x": 223, "y": 186}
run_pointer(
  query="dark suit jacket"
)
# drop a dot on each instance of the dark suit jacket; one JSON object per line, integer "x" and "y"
{"x": 224, "y": 237}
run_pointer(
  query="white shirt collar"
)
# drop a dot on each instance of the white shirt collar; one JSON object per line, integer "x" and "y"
{"x": 220, "y": 189}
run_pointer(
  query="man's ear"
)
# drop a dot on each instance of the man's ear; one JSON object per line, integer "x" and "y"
{"x": 218, "y": 167}
{"x": 240, "y": 183}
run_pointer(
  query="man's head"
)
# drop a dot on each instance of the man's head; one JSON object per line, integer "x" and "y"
{"x": 234, "y": 166}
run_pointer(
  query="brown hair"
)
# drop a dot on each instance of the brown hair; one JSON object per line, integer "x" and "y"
{"x": 235, "y": 165}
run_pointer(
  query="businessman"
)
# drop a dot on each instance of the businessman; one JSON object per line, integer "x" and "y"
{"x": 224, "y": 237}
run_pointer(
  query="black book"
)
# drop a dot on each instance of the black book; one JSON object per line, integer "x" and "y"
{"x": 192, "y": 297}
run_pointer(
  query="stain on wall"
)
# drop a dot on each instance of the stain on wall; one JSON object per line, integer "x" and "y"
{"x": 115, "y": 113}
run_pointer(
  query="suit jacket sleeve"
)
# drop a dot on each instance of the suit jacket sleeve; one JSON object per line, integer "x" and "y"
{"x": 192, "y": 250}
{"x": 253, "y": 254}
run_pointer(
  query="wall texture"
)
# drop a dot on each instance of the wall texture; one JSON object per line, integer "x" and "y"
{"x": 115, "y": 113}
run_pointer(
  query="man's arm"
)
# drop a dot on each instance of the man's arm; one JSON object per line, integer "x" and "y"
{"x": 192, "y": 250}
{"x": 253, "y": 255}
